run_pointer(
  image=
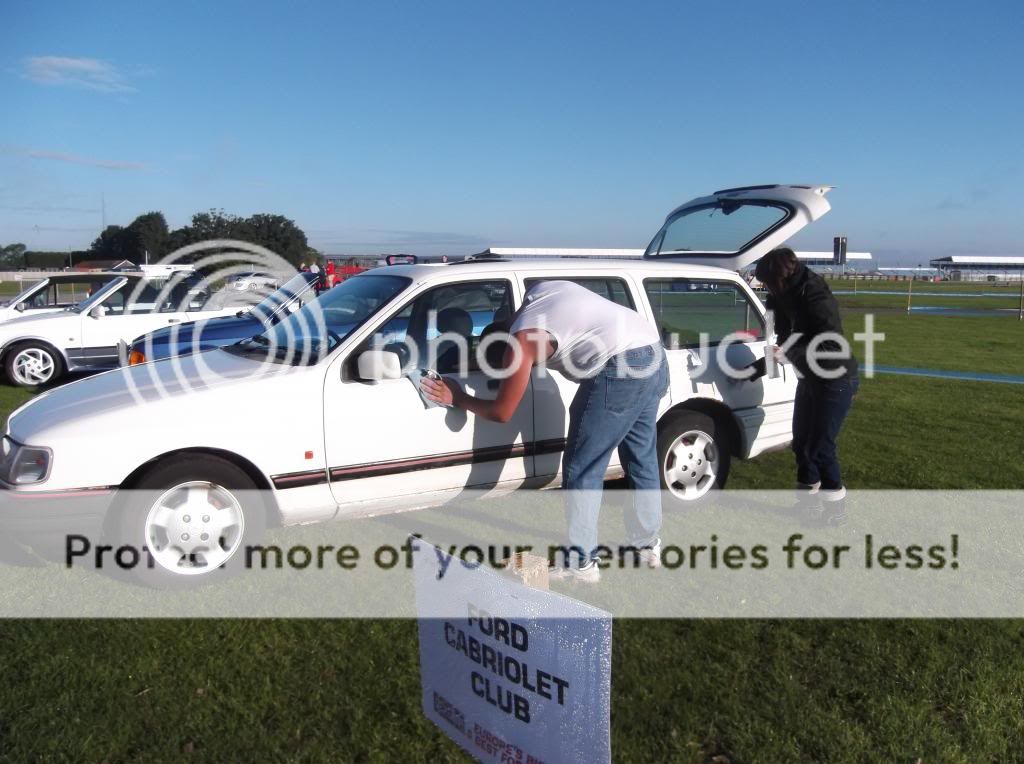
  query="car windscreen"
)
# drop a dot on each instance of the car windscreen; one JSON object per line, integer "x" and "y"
{"x": 270, "y": 304}
{"x": 318, "y": 327}
{"x": 25, "y": 293}
{"x": 99, "y": 295}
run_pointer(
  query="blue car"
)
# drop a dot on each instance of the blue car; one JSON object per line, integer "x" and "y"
{"x": 212, "y": 333}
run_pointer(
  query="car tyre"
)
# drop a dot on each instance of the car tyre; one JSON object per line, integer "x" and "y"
{"x": 33, "y": 364}
{"x": 694, "y": 456}
{"x": 191, "y": 518}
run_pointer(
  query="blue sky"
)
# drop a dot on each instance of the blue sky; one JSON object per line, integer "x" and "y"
{"x": 449, "y": 127}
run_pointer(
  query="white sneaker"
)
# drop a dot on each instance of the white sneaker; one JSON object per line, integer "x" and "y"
{"x": 651, "y": 554}
{"x": 833, "y": 494}
{"x": 804, "y": 489}
{"x": 588, "y": 573}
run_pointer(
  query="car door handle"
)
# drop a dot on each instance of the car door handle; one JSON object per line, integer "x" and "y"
{"x": 174, "y": 320}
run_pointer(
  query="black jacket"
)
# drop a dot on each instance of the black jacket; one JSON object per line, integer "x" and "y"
{"x": 807, "y": 308}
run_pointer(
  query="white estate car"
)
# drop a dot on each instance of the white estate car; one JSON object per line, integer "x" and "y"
{"x": 39, "y": 349}
{"x": 351, "y": 436}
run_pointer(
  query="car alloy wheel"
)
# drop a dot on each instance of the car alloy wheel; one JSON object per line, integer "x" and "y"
{"x": 691, "y": 465}
{"x": 194, "y": 527}
{"x": 32, "y": 366}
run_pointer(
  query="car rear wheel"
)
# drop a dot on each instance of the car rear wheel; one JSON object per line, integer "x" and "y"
{"x": 33, "y": 364}
{"x": 192, "y": 517}
{"x": 693, "y": 455}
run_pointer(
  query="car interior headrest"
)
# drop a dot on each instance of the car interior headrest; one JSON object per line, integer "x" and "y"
{"x": 456, "y": 321}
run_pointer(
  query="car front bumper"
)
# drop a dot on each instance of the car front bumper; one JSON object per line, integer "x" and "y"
{"x": 49, "y": 517}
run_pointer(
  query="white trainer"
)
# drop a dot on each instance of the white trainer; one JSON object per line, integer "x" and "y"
{"x": 651, "y": 554}
{"x": 833, "y": 494}
{"x": 588, "y": 573}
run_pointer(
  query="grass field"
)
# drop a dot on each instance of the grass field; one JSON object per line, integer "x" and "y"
{"x": 682, "y": 690}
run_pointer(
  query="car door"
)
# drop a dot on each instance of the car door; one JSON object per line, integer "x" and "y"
{"x": 127, "y": 313}
{"x": 711, "y": 325}
{"x": 553, "y": 392}
{"x": 380, "y": 438}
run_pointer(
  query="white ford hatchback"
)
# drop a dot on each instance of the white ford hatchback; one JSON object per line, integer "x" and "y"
{"x": 40, "y": 349}
{"x": 340, "y": 431}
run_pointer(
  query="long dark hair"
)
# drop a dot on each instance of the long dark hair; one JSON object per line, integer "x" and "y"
{"x": 776, "y": 267}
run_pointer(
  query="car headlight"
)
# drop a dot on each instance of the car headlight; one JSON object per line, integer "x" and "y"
{"x": 135, "y": 357}
{"x": 23, "y": 465}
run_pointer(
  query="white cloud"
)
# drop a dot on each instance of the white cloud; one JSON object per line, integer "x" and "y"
{"x": 59, "y": 156}
{"x": 89, "y": 73}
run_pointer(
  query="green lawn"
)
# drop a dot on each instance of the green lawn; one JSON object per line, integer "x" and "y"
{"x": 938, "y": 287}
{"x": 946, "y": 294}
{"x": 682, "y": 690}
{"x": 983, "y": 344}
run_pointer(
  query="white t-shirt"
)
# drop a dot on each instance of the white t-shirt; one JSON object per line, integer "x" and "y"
{"x": 588, "y": 330}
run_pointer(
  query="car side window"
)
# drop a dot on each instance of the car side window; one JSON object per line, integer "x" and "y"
{"x": 114, "y": 304}
{"x": 41, "y": 299}
{"x": 685, "y": 309}
{"x": 432, "y": 321}
{"x": 611, "y": 288}
{"x": 145, "y": 300}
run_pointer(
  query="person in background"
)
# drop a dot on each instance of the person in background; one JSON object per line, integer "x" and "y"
{"x": 329, "y": 279}
{"x": 805, "y": 310}
{"x": 315, "y": 269}
{"x": 616, "y": 356}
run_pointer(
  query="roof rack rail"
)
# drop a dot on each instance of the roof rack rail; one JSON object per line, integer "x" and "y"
{"x": 499, "y": 254}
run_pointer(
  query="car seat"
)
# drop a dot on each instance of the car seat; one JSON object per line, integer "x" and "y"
{"x": 453, "y": 321}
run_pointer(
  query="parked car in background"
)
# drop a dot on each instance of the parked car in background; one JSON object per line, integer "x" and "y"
{"x": 38, "y": 350}
{"x": 257, "y": 280}
{"x": 52, "y": 293}
{"x": 181, "y": 339}
{"x": 340, "y": 430}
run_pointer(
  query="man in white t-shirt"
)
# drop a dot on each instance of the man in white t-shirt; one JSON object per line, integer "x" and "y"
{"x": 616, "y": 356}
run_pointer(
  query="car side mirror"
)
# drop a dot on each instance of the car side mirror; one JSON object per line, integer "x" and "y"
{"x": 98, "y": 312}
{"x": 20, "y": 307}
{"x": 377, "y": 365}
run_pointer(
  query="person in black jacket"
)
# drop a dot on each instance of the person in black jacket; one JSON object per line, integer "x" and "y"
{"x": 810, "y": 332}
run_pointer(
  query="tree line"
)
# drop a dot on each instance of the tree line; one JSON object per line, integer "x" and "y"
{"x": 149, "y": 236}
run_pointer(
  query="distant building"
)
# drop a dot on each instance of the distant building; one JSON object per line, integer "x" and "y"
{"x": 858, "y": 260}
{"x": 106, "y": 265}
{"x": 980, "y": 267}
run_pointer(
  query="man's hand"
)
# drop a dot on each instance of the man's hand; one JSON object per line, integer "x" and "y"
{"x": 778, "y": 355}
{"x": 444, "y": 391}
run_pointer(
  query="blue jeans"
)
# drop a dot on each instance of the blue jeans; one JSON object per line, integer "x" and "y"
{"x": 617, "y": 408}
{"x": 819, "y": 410}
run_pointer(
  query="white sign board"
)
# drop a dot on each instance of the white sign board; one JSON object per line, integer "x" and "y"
{"x": 512, "y": 673}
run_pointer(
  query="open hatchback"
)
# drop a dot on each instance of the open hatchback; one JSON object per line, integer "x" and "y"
{"x": 734, "y": 227}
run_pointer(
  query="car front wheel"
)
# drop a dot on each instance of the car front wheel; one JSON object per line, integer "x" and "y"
{"x": 191, "y": 517}
{"x": 693, "y": 455}
{"x": 33, "y": 364}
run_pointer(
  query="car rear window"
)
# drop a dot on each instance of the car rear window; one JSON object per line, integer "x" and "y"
{"x": 684, "y": 309}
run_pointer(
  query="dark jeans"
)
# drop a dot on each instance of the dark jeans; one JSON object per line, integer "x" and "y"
{"x": 820, "y": 408}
